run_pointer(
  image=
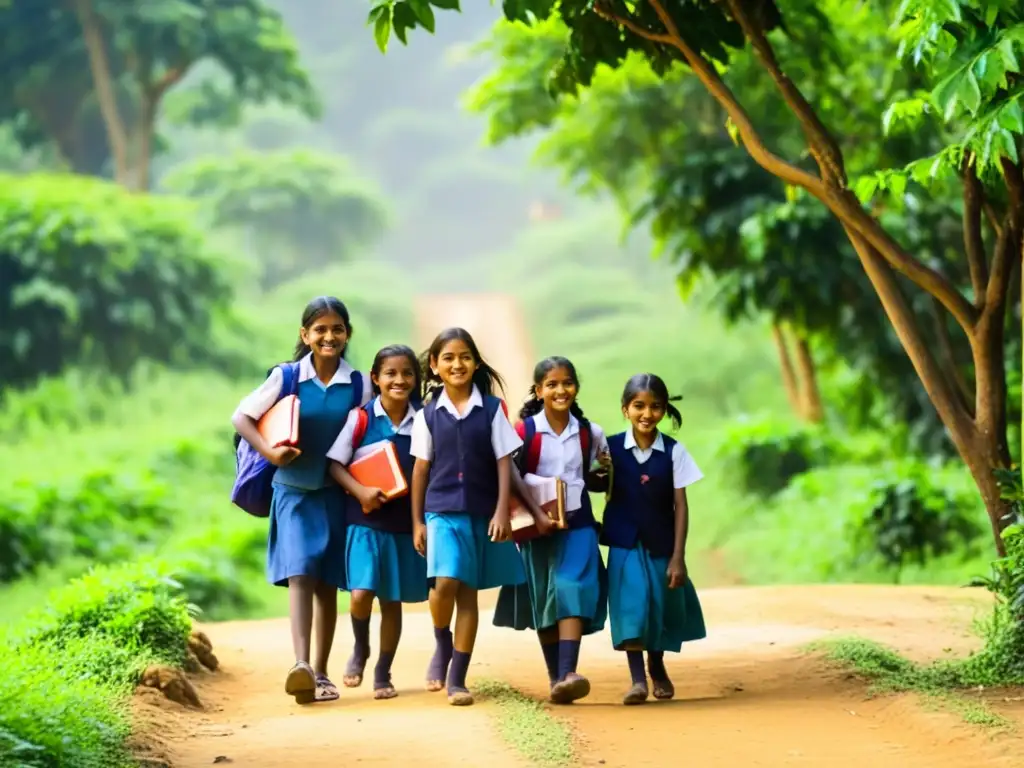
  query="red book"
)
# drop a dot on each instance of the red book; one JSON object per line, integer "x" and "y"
{"x": 549, "y": 494}
{"x": 280, "y": 425}
{"x": 379, "y": 468}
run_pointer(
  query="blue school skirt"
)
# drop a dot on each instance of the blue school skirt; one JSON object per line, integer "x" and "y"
{"x": 307, "y": 535}
{"x": 565, "y": 578}
{"x": 386, "y": 564}
{"x": 642, "y": 607}
{"x": 458, "y": 547}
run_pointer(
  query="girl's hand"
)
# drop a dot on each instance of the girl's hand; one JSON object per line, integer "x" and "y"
{"x": 283, "y": 455}
{"x": 676, "y": 572}
{"x": 604, "y": 459}
{"x": 371, "y": 499}
{"x": 545, "y": 525}
{"x": 419, "y": 538}
{"x": 500, "y": 529}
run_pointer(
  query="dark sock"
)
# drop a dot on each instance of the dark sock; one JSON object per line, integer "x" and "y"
{"x": 442, "y": 654}
{"x": 457, "y": 671}
{"x": 551, "y": 659}
{"x": 656, "y": 665}
{"x": 636, "y": 666}
{"x": 382, "y": 672}
{"x": 568, "y": 657}
{"x": 361, "y": 630}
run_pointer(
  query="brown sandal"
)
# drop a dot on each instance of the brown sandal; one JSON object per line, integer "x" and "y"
{"x": 301, "y": 683}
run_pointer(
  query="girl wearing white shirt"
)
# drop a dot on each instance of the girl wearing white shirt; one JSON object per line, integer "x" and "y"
{"x": 565, "y": 596}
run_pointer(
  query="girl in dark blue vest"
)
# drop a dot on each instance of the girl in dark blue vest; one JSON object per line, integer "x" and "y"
{"x": 463, "y": 444}
{"x": 652, "y": 603}
{"x": 381, "y": 561}
{"x": 565, "y": 595}
{"x": 306, "y": 547}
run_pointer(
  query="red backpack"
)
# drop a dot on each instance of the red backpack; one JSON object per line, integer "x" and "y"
{"x": 527, "y": 431}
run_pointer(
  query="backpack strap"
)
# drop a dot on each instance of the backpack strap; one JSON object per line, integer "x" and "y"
{"x": 359, "y": 431}
{"x": 586, "y": 443}
{"x": 289, "y": 379}
{"x": 357, "y": 388}
{"x": 529, "y": 453}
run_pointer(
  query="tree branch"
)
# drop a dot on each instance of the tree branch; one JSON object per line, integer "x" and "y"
{"x": 771, "y": 162}
{"x": 949, "y": 357}
{"x": 823, "y": 147}
{"x": 1007, "y": 250}
{"x": 974, "y": 245}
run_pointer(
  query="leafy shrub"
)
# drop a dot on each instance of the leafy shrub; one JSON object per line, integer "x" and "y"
{"x": 765, "y": 455}
{"x": 219, "y": 574}
{"x": 103, "y": 519}
{"x": 100, "y": 277}
{"x": 908, "y": 517}
{"x": 56, "y": 711}
{"x": 138, "y": 606}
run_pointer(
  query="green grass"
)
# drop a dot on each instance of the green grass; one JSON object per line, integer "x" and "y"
{"x": 943, "y": 684}
{"x": 527, "y": 726}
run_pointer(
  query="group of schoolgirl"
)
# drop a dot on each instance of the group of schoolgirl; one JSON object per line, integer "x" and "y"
{"x": 450, "y": 536}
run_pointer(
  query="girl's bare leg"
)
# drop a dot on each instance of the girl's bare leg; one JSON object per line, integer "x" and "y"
{"x": 301, "y": 680}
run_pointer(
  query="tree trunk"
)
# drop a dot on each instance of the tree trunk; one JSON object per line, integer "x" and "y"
{"x": 103, "y": 83}
{"x": 144, "y": 141}
{"x": 786, "y": 364}
{"x": 810, "y": 395}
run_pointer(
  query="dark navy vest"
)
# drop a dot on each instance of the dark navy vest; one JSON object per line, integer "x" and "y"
{"x": 641, "y": 509}
{"x": 464, "y": 472}
{"x": 396, "y": 515}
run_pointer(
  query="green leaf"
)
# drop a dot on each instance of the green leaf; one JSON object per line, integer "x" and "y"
{"x": 424, "y": 13}
{"x": 896, "y": 183}
{"x": 382, "y": 28}
{"x": 1005, "y": 48}
{"x": 968, "y": 92}
{"x": 446, "y": 5}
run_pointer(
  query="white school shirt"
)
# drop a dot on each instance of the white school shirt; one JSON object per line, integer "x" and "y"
{"x": 263, "y": 398}
{"x": 341, "y": 451}
{"x": 685, "y": 471}
{"x": 562, "y": 456}
{"x": 504, "y": 439}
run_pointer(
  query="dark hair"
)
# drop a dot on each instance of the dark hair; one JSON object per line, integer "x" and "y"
{"x": 399, "y": 350}
{"x": 487, "y": 380}
{"x": 533, "y": 404}
{"x": 648, "y": 382}
{"x": 319, "y": 307}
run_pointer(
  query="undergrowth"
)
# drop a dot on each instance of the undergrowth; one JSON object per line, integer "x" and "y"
{"x": 70, "y": 666}
{"x": 525, "y": 725}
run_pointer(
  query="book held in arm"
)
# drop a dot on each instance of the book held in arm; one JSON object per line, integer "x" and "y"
{"x": 280, "y": 425}
{"x": 549, "y": 495}
{"x": 379, "y": 468}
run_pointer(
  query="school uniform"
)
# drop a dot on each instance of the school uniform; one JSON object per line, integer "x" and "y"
{"x": 565, "y": 576}
{"x": 462, "y": 491}
{"x": 307, "y": 511}
{"x": 379, "y": 552}
{"x": 639, "y": 530}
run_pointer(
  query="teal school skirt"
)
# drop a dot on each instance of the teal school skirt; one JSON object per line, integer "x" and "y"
{"x": 643, "y": 609}
{"x": 386, "y": 564}
{"x": 458, "y": 547}
{"x": 565, "y": 578}
{"x": 307, "y": 535}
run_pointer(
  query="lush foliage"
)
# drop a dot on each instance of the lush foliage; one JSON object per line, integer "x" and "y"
{"x": 98, "y": 277}
{"x": 297, "y": 210}
{"x": 69, "y": 664}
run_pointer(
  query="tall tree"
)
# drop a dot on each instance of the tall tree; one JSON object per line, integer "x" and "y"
{"x": 92, "y": 75}
{"x": 967, "y": 54}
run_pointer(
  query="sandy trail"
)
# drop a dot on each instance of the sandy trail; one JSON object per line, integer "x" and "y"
{"x": 749, "y": 695}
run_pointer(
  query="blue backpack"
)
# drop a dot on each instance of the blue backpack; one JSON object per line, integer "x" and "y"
{"x": 254, "y": 475}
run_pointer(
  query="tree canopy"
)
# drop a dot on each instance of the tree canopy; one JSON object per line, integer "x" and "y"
{"x": 951, "y": 79}
{"x": 91, "y": 76}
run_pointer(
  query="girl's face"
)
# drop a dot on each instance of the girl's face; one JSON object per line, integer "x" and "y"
{"x": 455, "y": 364}
{"x": 557, "y": 390}
{"x": 397, "y": 377}
{"x": 327, "y": 336}
{"x": 645, "y": 412}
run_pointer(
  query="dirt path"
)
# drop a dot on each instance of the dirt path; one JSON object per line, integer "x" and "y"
{"x": 749, "y": 695}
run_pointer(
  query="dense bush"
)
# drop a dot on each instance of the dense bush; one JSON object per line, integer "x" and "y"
{"x": 97, "y": 276}
{"x": 221, "y": 573}
{"x": 764, "y": 455}
{"x": 70, "y": 665}
{"x": 908, "y": 517}
{"x": 102, "y": 518}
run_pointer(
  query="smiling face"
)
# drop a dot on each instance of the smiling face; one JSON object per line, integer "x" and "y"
{"x": 397, "y": 378}
{"x": 455, "y": 364}
{"x": 557, "y": 390}
{"x": 645, "y": 412}
{"x": 327, "y": 336}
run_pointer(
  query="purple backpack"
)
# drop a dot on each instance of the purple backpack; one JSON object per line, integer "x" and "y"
{"x": 252, "y": 490}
